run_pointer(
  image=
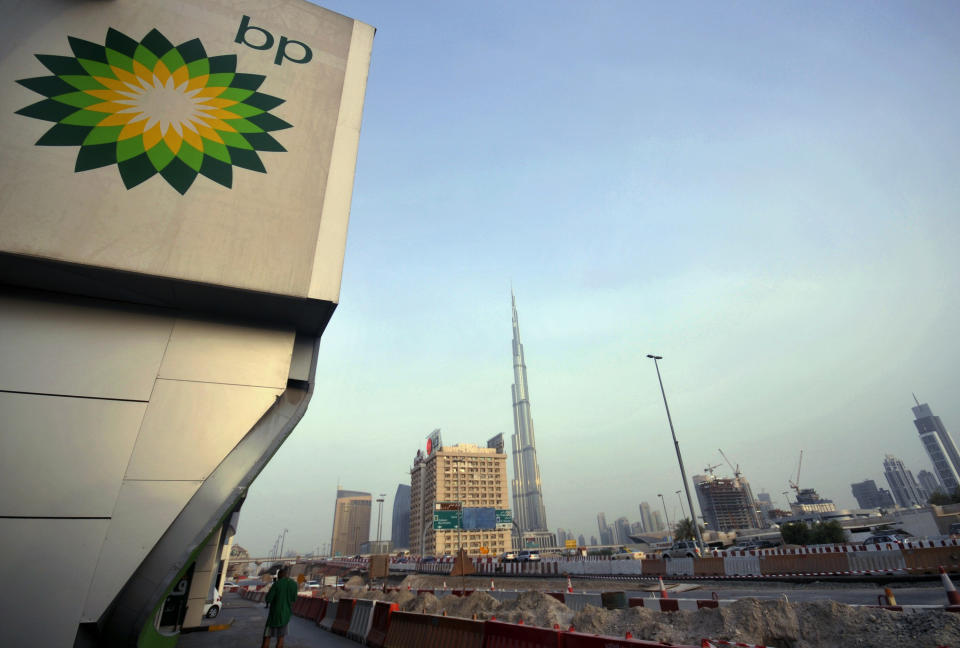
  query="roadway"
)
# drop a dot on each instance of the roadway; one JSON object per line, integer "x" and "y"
{"x": 246, "y": 620}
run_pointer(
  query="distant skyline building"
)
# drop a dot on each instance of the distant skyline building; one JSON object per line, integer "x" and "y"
{"x": 593, "y": 541}
{"x": 726, "y": 504}
{"x": 621, "y": 531}
{"x": 581, "y": 541}
{"x": 656, "y": 521}
{"x": 529, "y": 514}
{"x": 868, "y": 496}
{"x": 606, "y": 532}
{"x": 809, "y": 501}
{"x": 645, "y": 518}
{"x": 929, "y": 483}
{"x": 400, "y": 521}
{"x": 904, "y": 487}
{"x": 351, "y": 522}
{"x": 939, "y": 445}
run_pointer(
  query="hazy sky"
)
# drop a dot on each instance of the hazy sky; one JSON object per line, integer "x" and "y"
{"x": 765, "y": 193}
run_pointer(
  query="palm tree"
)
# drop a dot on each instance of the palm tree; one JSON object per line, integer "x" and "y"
{"x": 685, "y": 530}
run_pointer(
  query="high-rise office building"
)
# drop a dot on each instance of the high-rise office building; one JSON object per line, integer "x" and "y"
{"x": 656, "y": 520}
{"x": 351, "y": 522}
{"x": 528, "y": 511}
{"x": 400, "y": 521}
{"x": 606, "y": 533}
{"x": 593, "y": 541}
{"x": 465, "y": 475}
{"x": 904, "y": 487}
{"x": 929, "y": 483}
{"x": 645, "y": 518}
{"x": 581, "y": 541}
{"x": 869, "y": 496}
{"x": 727, "y": 504}
{"x": 939, "y": 445}
{"x": 621, "y": 531}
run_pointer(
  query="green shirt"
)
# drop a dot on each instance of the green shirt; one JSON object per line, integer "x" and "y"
{"x": 280, "y": 598}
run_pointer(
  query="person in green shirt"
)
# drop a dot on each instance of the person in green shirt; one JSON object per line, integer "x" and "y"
{"x": 280, "y": 599}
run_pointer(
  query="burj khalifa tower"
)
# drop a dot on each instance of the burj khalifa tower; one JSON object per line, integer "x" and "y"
{"x": 528, "y": 512}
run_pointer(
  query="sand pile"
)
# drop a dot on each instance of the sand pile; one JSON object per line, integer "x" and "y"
{"x": 821, "y": 624}
{"x": 535, "y": 608}
{"x": 425, "y": 603}
{"x": 478, "y": 603}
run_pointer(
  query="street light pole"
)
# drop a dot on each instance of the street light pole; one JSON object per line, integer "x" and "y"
{"x": 682, "y": 512}
{"x": 665, "y": 514}
{"x": 683, "y": 473}
{"x": 380, "y": 519}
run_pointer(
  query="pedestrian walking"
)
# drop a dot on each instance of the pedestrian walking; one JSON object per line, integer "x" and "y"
{"x": 280, "y": 600}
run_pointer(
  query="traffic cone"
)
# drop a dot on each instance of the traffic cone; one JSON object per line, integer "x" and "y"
{"x": 952, "y": 594}
{"x": 492, "y": 586}
{"x": 888, "y": 593}
{"x": 663, "y": 590}
{"x": 629, "y": 635}
{"x": 569, "y": 585}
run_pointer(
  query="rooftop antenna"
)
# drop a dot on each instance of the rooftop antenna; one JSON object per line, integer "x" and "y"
{"x": 915, "y": 399}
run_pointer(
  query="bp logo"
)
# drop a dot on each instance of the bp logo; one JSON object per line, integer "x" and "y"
{"x": 154, "y": 108}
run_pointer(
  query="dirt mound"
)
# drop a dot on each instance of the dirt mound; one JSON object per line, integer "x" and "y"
{"x": 355, "y": 583}
{"x": 535, "y": 608}
{"x": 821, "y": 624}
{"x": 400, "y": 597}
{"x": 479, "y": 603}
{"x": 425, "y": 603}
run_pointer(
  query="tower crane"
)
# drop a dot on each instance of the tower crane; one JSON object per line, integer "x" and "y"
{"x": 736, "y": 471}
{"x": 709, "y": 469}
{"x": 795, "y": 485}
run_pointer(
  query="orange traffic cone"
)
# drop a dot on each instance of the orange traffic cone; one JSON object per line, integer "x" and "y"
{"x": 629, "y": 635}
{"x": 569, "y": 585}
{"x": 952, "y": 594}
{"x": 663, "y": 590}
{"x": 888, "y": 593}
{"x": 492, "y": 586}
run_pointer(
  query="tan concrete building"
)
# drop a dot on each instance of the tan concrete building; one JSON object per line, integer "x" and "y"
{"x": 351, "y": 522}
{"x": 471, "y": 475}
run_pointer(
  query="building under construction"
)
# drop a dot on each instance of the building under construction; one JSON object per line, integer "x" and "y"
{"x": 727, "y": 504}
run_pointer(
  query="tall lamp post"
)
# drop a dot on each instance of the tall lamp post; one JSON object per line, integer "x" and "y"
{"x": 682, "y": 512}
{"x": 380, "y": 520}
{"x": 666, "y": 515}
{"x": 683, "y": 473}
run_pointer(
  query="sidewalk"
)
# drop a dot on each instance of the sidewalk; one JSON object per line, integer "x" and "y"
{"x": 246, "y": 630}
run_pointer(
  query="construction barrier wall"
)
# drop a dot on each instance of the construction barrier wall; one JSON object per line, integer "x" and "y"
{"x": 330, "y": 615}
{"x": 410, "y": 630}
{"x": 361, "y": 620}
{"x": 382, "y": 613}
{"x": 680, "y": 567}
{"x": 509, "y": 635}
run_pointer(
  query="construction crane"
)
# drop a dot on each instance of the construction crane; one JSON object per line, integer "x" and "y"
{"x": 709, "y": 469}
{"x": 736, "y": 471}
{"x": 795, "y": 485}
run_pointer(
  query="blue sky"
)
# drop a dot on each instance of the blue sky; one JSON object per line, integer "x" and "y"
{"x": 766, "y": 194}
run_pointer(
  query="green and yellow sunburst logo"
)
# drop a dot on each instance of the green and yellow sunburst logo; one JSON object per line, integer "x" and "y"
{"x": 151, "y": 107}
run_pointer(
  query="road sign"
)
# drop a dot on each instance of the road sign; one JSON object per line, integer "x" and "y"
{"x": 448, "y": 506}
{"x": 571, "y": 544}
{"x": 504, "y": 518}
{"x": 446, "y": 520}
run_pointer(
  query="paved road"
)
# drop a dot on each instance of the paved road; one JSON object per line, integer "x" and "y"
{"x": 246, "y": 630}
{"x": 848, "y": 595}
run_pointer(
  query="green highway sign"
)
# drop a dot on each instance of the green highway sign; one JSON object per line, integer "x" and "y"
{"x": 504, "y": 518}
{"x": 446, "y": 520}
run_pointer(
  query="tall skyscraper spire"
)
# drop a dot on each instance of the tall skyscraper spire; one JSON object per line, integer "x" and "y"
{"x": 528, "y": 511}
{"x": 943, "y": 452}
